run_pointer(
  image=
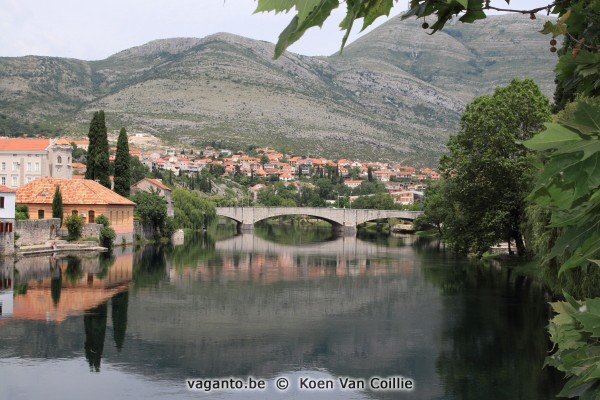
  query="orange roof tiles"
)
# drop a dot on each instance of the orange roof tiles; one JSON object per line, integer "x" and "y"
{"x": 155, "y": 182}
{"x": 5, "y": 189}
{"x": 74, "y": 191}
{"x": 20, "y": 144}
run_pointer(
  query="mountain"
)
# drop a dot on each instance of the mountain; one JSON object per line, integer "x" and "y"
{"x": 396, "y": 93}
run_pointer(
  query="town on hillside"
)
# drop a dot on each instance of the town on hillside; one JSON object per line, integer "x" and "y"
{"x": 24, "y": 160}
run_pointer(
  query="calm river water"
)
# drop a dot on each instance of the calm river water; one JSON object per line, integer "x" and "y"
{"x": 298, "y": 305}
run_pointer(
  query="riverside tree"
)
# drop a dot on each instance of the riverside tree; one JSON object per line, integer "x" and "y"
{"x": 97, "y": 158}
{"x": 489, "y": 171}
{"x": 122, "y": 165}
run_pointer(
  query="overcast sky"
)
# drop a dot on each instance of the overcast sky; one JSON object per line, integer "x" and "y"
{"x": 94, "y": 30}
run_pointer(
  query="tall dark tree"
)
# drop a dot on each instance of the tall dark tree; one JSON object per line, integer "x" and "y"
{"x": 122, "y": 165}
{"x": 90, "y": 171}
{"x": 97, "y": 167}
{"x": 120, "y": 304}
{"x": 57, "y": 205}
{"x": 94, "y": 322}
{"x": 101, "y": 156}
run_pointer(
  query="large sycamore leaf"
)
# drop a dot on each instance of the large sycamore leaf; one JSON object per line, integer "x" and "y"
{"x": 553, "y": 137}
{"x": 304, "y": 7}
{"x": 296, "y": 28}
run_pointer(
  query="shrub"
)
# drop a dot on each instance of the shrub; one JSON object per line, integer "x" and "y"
{"x": 22, "y": 212}
{"x": 107, "y": 236}
{"x": 74, "y": 225}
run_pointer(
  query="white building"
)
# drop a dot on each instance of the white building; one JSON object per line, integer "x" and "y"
{"x": 7, "y": 220}
{"x": 25, "y": 160}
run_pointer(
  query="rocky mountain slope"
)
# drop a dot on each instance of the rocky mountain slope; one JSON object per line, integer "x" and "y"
{"x": 396, "y": 93}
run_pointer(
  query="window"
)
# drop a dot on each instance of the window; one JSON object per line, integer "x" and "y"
{"x": 40, "y": 214}
{"x": 1, "y": 202}
{"x": 37, "y": 167}
{"x": 15, "y": 165}
{"x": 3, "y": 180}
{"x": 29, "y": 179}
{"x": 91, "y": 216}
{"x": 74, "y": 212}
{"x": 14, "y": 181}
{"x": 3, "y": 166}
{"x": 28, "y": 167}
{"x": 59, "y": 160}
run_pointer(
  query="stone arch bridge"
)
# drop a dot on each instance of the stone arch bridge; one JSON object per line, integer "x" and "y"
{"x": 343, "y": 220}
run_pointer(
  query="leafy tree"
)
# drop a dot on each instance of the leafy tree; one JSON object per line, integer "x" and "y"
{"x": 217, "y": 169}
{"x": 489, "y": 172}
{"x": 367, "y": 188}
{"x": 370, "y": 174}
{"x": 191, "y": 210}
{"x": 435, "y": 205}
{"x": 151, "y": 208}
{"x": 57, "y": 205}
{"x": 122, "y": 165}
{"x": 380, "y": 201}
{"x": 264, "y": 160}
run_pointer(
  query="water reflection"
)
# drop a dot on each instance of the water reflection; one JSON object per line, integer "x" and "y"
{"x": 245, "y": 305}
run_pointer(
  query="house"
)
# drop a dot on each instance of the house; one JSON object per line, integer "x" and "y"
{"x": 24, "y": 160}
{"x": 156, "y": 186}
{"x": 352, "y": 183}
{"x": 83, "y": 197}
{"x": 7, "y": 220}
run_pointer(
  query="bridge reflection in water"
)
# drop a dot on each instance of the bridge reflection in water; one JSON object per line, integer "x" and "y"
{"x": 250, "y": 257}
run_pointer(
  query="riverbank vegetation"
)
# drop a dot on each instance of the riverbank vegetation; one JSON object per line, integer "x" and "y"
{"x": 502, "y": 182}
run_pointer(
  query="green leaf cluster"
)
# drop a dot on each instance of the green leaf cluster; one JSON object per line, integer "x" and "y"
{"x": 576, "y": 330}
{"x": 312, "y": 13}
{"x": 568, "y": 185}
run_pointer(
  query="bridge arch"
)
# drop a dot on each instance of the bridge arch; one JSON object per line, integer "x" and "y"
{"x": 342, "y": 219}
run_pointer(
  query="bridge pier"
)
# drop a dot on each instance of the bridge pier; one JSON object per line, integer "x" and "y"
{"x": 241, "y": 227}
{"x": 345, "y": 230}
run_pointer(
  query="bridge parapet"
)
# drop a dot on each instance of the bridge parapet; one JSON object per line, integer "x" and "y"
{"x": 344, "y": 220}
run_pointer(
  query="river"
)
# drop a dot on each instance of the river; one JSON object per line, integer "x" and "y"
{"x": 280, "y": 305}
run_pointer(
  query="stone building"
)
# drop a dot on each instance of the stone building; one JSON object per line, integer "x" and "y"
{"x": 156, "y": 186}
{"x": 25, "y": 160}
{"x": 83, "y": 197}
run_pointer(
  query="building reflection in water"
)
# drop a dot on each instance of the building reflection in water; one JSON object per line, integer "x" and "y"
{"x": 52, "y": 289}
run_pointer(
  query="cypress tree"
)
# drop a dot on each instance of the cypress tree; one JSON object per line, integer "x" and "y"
{"x": 122, "y": 165}
{"x": 57, "y": 205}
{"x": 90, "y": 171}
{"x": 101, "y": 157}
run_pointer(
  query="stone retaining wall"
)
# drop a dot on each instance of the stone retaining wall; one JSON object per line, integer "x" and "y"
{"x": 36, "y": 231}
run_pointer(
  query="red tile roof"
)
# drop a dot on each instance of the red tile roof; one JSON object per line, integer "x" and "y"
{"x": 5, "y": 189}
{"x": 74, "y": 191}
{"x": 20, "y": 144}
{"x": 155, "y": 182}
